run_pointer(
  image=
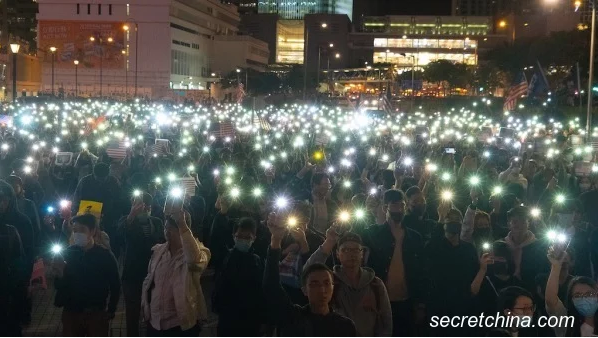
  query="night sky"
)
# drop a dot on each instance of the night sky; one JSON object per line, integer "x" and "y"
{"x": 405, "y": 7}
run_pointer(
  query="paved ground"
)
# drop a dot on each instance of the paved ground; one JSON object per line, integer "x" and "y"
{"x": 46, "y": 318}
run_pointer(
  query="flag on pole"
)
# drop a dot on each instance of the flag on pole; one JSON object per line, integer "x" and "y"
{"x": 261, "y": 122}
{"x": 385, "y": 98}
{"x": 240, "y": 93}
{"x": 517, "y": 90}
{"x": 538, "y": 83}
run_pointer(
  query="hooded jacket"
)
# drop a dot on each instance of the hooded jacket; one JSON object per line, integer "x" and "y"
{"x": 530, "y": 259}
{"x": 367, "y": 304}
{"x": 12, "y": 216}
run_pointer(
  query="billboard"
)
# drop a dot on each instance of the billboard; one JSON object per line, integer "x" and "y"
{"x": 72, "y": 42}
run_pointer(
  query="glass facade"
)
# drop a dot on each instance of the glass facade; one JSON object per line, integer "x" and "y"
{"x": 289, "y": 41}
{"x": 410, "y": 25}
{"x": 425, "y": 51}
{"x": 295, "y": 10}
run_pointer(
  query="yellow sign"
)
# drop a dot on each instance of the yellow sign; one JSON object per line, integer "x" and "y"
{"x": 91, "y": 207}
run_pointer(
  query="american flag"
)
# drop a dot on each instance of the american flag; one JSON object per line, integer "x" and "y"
{"x": 117, "y": 151}
{"x": 261, "y": 123}
{"x": 6, "y": 120}
{"x": 517, "y": 90}
{"x": 188, "y": 183}
{"x": 156, "y": 149}
{"x": 240, "y": 93}
{"x": 225, "y": 129}
{"x": 386, "y": 104}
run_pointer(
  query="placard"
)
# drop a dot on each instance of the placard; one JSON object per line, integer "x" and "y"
{"x": 63, "y": 159}
{"x": 582, "y": 168}
{"x": 91, "y": 207}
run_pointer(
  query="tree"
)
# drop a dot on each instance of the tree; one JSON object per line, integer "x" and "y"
{"x": 448, "y": 74}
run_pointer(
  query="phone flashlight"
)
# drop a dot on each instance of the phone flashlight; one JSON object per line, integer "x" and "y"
{"x": 445, "y": 176}
{"x": 235, "y": 192}
{"x": 408, "y": 161}
{"x": 50, "y": 210}
{"x": 556, "y": 237}
{"x": 359, "y": 213}
{"x": 136, "y": 193}
{"x": 216, "y": 172}
{"x": 281, "y": 202}
{"x": 257, "y": 192}
{"x": 344, "y": 216}
{"x": 474, "y": 180}
{"x": 535, "y": 212}
{"x": 432, "y": 167}
{"x": 497, "y": 190}
{"x": 27, "y": 169}
{"x": 560, "y": 198}
{"x": 176, "y": 192}
{"x": 486, "y": 246}
{"x": 158, "y": 180}
{"x": 56, "y": 249}
{"x": 447, "y": 195}
{"x": 64, "y": 204}
{"x": 292, "y": 222}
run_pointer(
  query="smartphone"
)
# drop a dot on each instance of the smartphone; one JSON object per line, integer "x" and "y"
{"x": 175, "y": 200}
{"x": 449, "y": 150}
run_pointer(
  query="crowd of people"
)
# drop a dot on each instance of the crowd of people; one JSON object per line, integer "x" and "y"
{"x": 315, "y": 221}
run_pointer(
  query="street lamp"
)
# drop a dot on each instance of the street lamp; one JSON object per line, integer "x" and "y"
{"x": 124, "y": 52}
{"x": 323, "y": 25}
{"x": 14, "y": 47}
{"x": 53, "y": 50}
{"x": 591, "y": 75}
{"x": 76, "y": 62}
{"x": 412, "y": 77}
{"x": 238, "y": 78}
{"x": 102, "y": 44}
{"x": 331, "y": 45}
{"x": 126, "y": 28}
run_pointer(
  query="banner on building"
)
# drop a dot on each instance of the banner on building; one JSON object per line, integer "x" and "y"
{"x": 72, "y": 40}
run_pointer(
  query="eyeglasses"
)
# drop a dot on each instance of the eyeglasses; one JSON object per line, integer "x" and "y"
{"x": 586, "y": 295}
{"x": 526, "y": 309}
{"x": 352, "y": 250}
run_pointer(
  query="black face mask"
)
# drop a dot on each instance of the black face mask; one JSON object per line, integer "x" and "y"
{"x": 499, "y": 268}
{"x": 396, "y": 217}
{"x": 453, "y": 228}
{"x": 419, "y": 210}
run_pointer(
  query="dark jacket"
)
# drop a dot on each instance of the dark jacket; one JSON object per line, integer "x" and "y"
{"x": 106, "y": 192}
{"x": 89, "y": 278}
{"x": 29, "y": 209}
{"x": 238, "y": 290}
{"x": 451, "y": 270}
{"x": 296, "y": 321}
{"x": 533, "y": 263}
{"x": 14, "y": 217}
{"x": 13, "y": 275}
{"x": 380, "y": 243}
{"x": 424, "y": 227}
{"x": 138, "y": 246}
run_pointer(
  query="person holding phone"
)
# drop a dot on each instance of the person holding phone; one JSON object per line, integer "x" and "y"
{"x": 141, "y": 232}
{"x": 87, "y": 282}
{"x": 172, "y": 296}
{"x": 513, "y": 174}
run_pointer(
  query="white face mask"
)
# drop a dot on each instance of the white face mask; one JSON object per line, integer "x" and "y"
{"x": 80, "y": 239}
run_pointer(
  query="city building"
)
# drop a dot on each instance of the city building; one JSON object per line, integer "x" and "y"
{"x": 408, "y": 41}
{"x": 241, "y": 51}
{"x": 296, "y": 10}
{"x": 244, "y": 6}
{"x": 18, "y": 23}
{"x": 155, "y": 46}
{"x": 481, "y": 7}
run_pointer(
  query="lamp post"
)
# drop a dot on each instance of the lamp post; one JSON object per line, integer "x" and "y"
{"x": 76, "y": 62}
{"x": 126, "y": 28}
{"x": 101, "y": 40}
{"x": 305, "y": 54}
{"x": 124, "y": 52}
{"x": 53, "y": 50}
{"x": 14, "y": 47}
{"x": 591, "y": 75}
{"x": 319, "y": 59}
{"x": 238, "y": 78}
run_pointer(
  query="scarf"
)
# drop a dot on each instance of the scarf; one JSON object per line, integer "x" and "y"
{"x": 517, "y": 249}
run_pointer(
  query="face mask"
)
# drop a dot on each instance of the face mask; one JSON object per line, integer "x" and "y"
{"x": 515, "y": 171}
{"x": 143, "y": 216}
{"x": 396, "y": 217}
{"x": 585, "y": 186}
{"x": 243, "y": 245}
{"x": 453, "y": 228}
{"x": 418, "y": 210}
{"x": 80, "y": 239}
{"x": 524, "y": 321}
{"x": 586, "y": 306}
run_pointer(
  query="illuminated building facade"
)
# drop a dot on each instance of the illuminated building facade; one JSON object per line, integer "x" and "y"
{"x": 408, "y": 40}
{"x": 296, "y": 10}
{"x": 290, "y": 41}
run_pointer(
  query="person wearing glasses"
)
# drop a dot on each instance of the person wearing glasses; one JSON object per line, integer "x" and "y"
{"x": 317, "y": 319}
{"x": 582, "y": 300}
{"x": 517, "y": 307}
{"x": 360, "y": 295}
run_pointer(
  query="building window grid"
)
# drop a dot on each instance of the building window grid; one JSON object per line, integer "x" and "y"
{"x": 109, "y": 9}
{"x": 88, "y": 9}
{"x": 99, "y": 9}
{"x": 78, "y": 8}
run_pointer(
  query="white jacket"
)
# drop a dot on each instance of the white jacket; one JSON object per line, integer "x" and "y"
{"x": 189, "y": 300}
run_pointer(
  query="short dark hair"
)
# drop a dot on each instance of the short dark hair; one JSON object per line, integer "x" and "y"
{"x": 508, "y": 296}
{"x": 14, "y": 179}
{"x": 317, "y": 178}
{"x": 414, "y": 190}
{"x": 393, "y": 196}
{"x": 516, "y": 212}
{"x": 313, "y": 268}
{"x": 88, "y": 220}
{"x": 101, "y": 170}
{"x": 349, "y": 237}
{"x": 246, "y": 223}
